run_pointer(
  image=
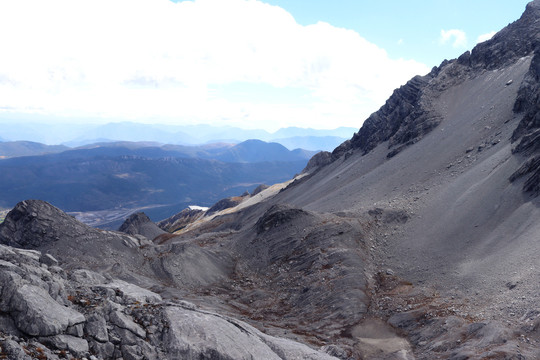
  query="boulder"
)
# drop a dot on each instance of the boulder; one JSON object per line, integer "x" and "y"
{"x": 37, "y": 314}
{"x": 198, "y": 335}
{"x": 133, "y": 293}
{"x": 96, "y": 327}
{"x": 76, "y": 345}
{"x": 124, "y": 322}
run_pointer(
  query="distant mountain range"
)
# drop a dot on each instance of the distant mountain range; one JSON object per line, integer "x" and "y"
{"x": 26, "y": 148}
{"x": 140, "y": 175}
{"x": 248, "y": 151}
{"x": 74, "y": 135}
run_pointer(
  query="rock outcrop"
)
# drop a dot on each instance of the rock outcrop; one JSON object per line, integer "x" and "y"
{"x": 318, "y": 160}
{"x": 516, "y": 40}
{"x": 259, "y": 189}
{"x": 23, "y": 228}
{"x": 223, "y": 204}
{"x": 36, "y": 224}
{"x": 180, "y": 220}
{"x": 403, "y": 120}
{"x": 50, "y": 313}
{"x": 140, "y": 224}
{"x": 527, "y": 134}
{"x": 408, "y": 116}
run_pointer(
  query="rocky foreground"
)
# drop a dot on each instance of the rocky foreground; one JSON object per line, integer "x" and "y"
{"x": 48, "y": 312}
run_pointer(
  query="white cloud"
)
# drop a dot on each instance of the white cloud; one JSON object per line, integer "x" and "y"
{"x": 155, "y": 59}
{"x": 485, "y": 37}
{"x": 457, "y": 37}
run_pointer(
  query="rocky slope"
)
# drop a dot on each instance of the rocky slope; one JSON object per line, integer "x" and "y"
{"x": 413, "y": 240}
{"x": 52, "y": 310}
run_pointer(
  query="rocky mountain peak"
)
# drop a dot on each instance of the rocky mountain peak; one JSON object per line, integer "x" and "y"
{"x": 408, "y": 115}
{"x": 516, "y": 40}
{"x": 140, "y": 224}
{"x": 28, "y": 225}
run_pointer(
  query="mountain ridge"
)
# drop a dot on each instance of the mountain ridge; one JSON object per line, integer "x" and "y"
{"x": 75, "y": 135}
{"x": 122, "y": 176}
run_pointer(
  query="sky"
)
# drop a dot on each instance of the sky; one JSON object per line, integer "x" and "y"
{"x": 247, "y": 63}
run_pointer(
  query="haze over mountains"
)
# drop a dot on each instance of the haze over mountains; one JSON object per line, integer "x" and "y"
{"x": 415, "y": 239}
{"x": 74, "y": 135}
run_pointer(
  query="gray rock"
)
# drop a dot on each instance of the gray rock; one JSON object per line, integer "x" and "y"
{"x": 125, "y": 322}
{"x": 179, "y": 221}
{"x": 196, "y": 335}
{"x": 140, "y": 224}
{"x": 30, "y": 254}
{"x": 37, "y": 314}
{"x": 76, "y": 345}
{"x": 22, "y": 228}
{"x": 134, "y": 241}
{"x": 9, "y": 281}
{"x": 124, "y": 337}
{"x": 13, "y": 350}
{"x": 403, "y": 120}
{"x": 43, "y": 352}
{"x": 48, "y": 260}
{"x": 406, "y": 319}
{"x": 87, "y": 277}
{"x": 6, "y": 251}
{"x": 7, "y": 325}
{"x": 224, "y": 204}
{"x": 336, "y": 351}
{"x": 96, "y": 327}
{"x": 133, "y": 293}
{"x": 259, "y": 189}
{"x": 76, "y": 330}
{"x": 318, "y": 160}
{"x": 102, "y": 350}
{"x": 8, "y": 266}
{"x": 35, "y": 224}
{"x": 132, "y": 352}
{"x": 288, "y": 349}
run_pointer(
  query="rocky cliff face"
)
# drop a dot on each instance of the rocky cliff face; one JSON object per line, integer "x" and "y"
{"x": 527, "y": 134}
{"x": 408, "y": 114}
{"x": 520, "y": 39}
{"x": 403, "y": 120}
{"x": 517, "y": 40}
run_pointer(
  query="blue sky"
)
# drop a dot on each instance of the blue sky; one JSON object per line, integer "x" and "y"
{"x": 410, "y": 29}
{"x": 248, "y": 63}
